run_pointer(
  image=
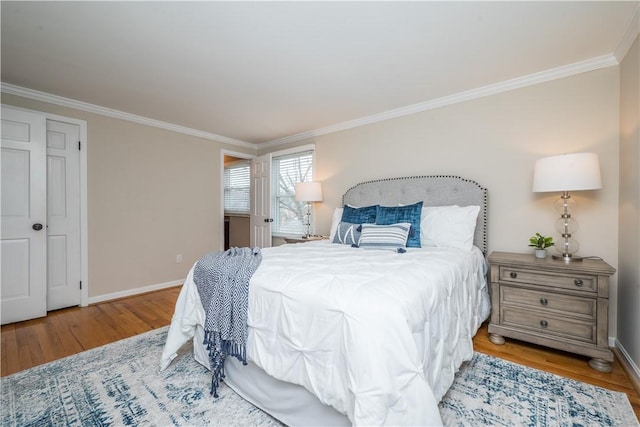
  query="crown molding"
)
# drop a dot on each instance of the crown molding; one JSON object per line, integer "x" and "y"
{"x": 629, "y": 36}
{"x": 492, "y": 89}
{"x": 596, "y": 63}
{"x": 96, "y": 109}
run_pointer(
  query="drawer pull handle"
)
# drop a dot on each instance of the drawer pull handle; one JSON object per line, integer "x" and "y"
{"x": 513, "y": 274}
{"x": 543, "y": 301}
{"x": 544, "y": 323}
{"x": 578, "y": 282}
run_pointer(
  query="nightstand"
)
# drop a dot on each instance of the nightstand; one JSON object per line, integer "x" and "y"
{"x": 304, "y": 239}
{"x": 552, "y": 303}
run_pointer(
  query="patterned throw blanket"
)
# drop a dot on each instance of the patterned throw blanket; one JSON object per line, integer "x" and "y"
{"x": 222, "y": 279}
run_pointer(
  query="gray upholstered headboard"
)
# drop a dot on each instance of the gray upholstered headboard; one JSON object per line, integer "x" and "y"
{"x": 433, "y": 190}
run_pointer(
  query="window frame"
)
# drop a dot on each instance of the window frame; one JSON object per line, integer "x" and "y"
{"x": 276, "y": 196}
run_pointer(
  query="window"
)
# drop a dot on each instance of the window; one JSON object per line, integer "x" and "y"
{"x": 287, "y": 170}
{"x": 237, "y": 184}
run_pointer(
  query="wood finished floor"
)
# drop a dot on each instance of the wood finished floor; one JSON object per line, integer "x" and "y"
{"x": 69, "y": 331}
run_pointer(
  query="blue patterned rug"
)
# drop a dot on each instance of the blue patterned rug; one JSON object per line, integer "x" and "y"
{"x": 119, "y": 384}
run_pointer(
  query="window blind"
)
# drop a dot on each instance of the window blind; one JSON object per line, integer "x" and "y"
{"x": 237, "y": 182}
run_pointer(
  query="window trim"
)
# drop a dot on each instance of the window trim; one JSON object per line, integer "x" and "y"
{"x": 294, "y": 150}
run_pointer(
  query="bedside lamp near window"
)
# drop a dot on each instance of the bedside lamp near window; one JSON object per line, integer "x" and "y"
{"x": 564, "y": 173}
{"x": 308, "y": 192}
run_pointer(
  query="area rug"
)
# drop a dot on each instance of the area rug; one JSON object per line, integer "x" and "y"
{"x": 119, "y": 384}
{"x": 489, "y": 391}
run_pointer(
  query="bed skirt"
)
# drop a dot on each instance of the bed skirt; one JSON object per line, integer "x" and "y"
{"x": 290, "y": 403}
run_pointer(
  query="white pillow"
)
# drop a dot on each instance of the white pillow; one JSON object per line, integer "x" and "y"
{"x": 335, "y": 221}
{"x": 448, "y": 226}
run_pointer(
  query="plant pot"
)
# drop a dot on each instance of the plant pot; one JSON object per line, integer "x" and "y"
{"x": 541, "y": 253}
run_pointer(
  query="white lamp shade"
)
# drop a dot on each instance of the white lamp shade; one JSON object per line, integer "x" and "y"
{"x": 308, "y": 192}
{"x": 567, "y": 172}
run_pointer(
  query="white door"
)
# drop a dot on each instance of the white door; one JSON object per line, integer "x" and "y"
{"x": 261, "y": 220}
{"x": 23, "y": 214}
{"x": 63, "y": 213}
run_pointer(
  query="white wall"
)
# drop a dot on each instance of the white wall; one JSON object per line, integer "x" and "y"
{"x": 152, "y": 194}
{"x": 629, "y": 232}
{"x": 495, "y": 141}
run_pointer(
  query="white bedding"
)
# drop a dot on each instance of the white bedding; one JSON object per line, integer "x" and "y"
{"x": 375, "y": 334}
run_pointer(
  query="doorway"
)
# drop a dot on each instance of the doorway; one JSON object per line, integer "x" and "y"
{"x": 236, "y": 185}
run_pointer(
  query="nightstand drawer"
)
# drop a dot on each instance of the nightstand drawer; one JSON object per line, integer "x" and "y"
{"x": 552, "y": 325}
{"x": 575, "y": 282}
{"x": 551, "y": 302}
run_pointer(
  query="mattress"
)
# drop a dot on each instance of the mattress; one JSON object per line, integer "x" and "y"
{"x": 373, "y": 334}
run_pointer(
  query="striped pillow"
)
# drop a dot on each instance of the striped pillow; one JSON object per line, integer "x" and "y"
{"x": 393, "y": 236}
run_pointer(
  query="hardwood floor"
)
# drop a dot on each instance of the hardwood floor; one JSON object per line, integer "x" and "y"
{"x": 69, "y": 331}
{"x": 72, "y": 330}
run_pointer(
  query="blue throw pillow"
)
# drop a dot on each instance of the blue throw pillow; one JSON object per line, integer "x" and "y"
{"x": 366, "y": 215}
{"x": 386, "y": 215}
{"x": 347, "y": 234}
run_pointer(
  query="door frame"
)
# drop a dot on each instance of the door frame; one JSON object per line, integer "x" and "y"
{"x": 240, "y": 155}
{"x": 84, "y": 229}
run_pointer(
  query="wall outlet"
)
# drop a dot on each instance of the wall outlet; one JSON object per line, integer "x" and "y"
{"x": 179, "y": 258}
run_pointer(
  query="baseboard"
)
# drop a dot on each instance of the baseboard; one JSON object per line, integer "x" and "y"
{"x": 632, "y": 370}
{"x": 135, "y": 291}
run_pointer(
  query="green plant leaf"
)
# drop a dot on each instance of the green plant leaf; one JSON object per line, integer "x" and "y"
{"x": 540, "y": 242}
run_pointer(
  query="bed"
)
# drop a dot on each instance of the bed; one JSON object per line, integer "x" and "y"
{"x": 340, "y": 335}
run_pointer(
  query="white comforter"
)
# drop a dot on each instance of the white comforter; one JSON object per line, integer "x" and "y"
{"x": 375, "y": 334}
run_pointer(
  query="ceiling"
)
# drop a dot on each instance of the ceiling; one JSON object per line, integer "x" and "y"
{"x": 262, "y": 72}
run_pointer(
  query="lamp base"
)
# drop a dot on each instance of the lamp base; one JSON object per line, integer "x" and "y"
{"x": 568, "y": 258}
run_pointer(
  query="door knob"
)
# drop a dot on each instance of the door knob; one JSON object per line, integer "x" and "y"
{"x": 37, "y": 226}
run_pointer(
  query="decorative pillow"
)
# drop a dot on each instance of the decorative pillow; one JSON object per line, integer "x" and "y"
{"x": 335, "y": 220}
{"x": 449, "y": 226}
{"x": 386, "y": 215}
{"x": 347, "y": 234}
{"x": 393, "y": 236}
{"x": 359, "y": 215}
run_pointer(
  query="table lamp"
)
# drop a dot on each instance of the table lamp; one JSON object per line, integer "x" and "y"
{"x": 308, "y": 192}
{"x": 564, "y": 173}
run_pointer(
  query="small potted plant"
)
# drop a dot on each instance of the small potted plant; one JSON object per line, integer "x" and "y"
{"x": 540, "y": 243}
